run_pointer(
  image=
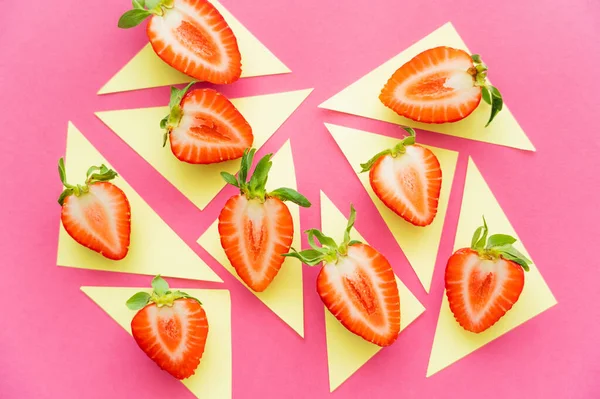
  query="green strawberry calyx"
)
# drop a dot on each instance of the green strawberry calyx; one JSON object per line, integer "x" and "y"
{"x": 398, "y": 149}
{"x": 94, "y": 174}
{"x": 497, "y": 246}
{"x": 256, "y": 186}
{"x": 142, "y": 9}
{"x": 489, "y": 93}
{"x": 172, "y": 120}
{"x": 327, "y": 250}
{"x": 161, "y": 295}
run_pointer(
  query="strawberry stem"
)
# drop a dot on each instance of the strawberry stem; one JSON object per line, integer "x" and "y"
{"x": 489, "y": 93}
{"x": 326, "y": 250}
{"x": 497, "y": 246}
{"x": 398, "y": 149}
{"x": 172, "y": 120}
{"x": 256, "y": 187}
{"x": 93, "y": 175}
{"x": 161, "y": 295}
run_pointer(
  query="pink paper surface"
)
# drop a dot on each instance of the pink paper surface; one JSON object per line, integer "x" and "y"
{"x": 55, "y": 342}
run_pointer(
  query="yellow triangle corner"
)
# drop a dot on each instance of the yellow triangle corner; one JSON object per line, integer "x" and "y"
{"x": 155, "y": 247}
{"x": 347, "y": 352}
{"x": 213, "y": 376}
{"x": 141, "y": 130}
{"x": 147, "y": 70}
{"x": 362, "y": 98}
{"x": 284, "y": 295}
{"x": 419, "y": 244}
{"x": 451, "y": 342}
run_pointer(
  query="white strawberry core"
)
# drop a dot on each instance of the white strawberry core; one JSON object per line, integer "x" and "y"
{"x": 164, "y": 315}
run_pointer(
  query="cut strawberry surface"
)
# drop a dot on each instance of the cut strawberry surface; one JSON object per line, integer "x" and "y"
{"x": 254, "y": 234}
{"x": 97, "y": 214}
{"x": 171, "y": 328}
{"x": 357, "y": 285}
{"x": 484, "y": 282}
{"x": 407, "y": 179}
{"x": 440, "y": 85}
{"x": 204, "y": 127}
{"x": 192, "y": 37}
{"x": 256, "y": 227}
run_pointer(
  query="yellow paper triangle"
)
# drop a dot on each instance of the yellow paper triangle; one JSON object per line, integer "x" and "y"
{"x": 212, "y": 378}
{"x": 362, "y": 98}
{"x": 140, "y": 129}
{"x": 146, "y": 69}
{"x": 451, "y": 341}
{"x": 155, "y": 247}
{"x": 284, "y": 295}
{"x": 419, "y": 244}
{"x": 347, "y": 352}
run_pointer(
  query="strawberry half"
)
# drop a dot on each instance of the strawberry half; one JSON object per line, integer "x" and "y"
{"x": 440, "y": 85}
{"x": 189, "y": 35}
{"x": 204, "y": 127}
{"x": 170, "y": 327}
{"x": 407, "y": 179}
{"x": 357, "y": 285}
{"x": 484, "y": 282}
{"x": 96, "y": 214}
{"x": 256, "y": 227}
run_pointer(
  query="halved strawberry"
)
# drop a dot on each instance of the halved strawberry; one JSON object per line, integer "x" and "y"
{"x": 204, "y": 127}
{"x": 440, "y": 85}
{"x": 484, "y": 282}
{"x": 357, "y": 285}
{"x": 407, "y": 179}
{"x": 96, "y": 214}
{"x": 256, "y": 227}
{"x": 170, "y": 327}
{"x": 189, "y": 35}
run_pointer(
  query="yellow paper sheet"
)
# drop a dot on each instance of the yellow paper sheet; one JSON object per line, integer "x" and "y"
{"x": 140, "y": 129}
{"x": 212, "y": 379}
{"x": 155, "y": 248}
{"x": 284, "y": 295}
{"x": 362, "y": 98}
{"x": 419, "y": 244}
{"x": 146, "y": 69}
{"x": 347, "y": 352}
{"x": 452, "y": 342}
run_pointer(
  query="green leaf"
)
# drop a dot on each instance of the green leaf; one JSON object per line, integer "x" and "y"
{"x": 138, "y": 4}
{"x": 509, "y": 252}
{"x": 322, "y": 238}
{"x": 62, "y": 172}
{"x": 497, "y": 240}
{"x": 103, "y": 174}
{"x": 163, "y": 122}
{"x": 288, "y": 194}
{"x": 484, "y": 235}
{"x": 229, "y": 178}
{"x": 309, "y": 257}
{"x": 246, "y": 164}
{"x": 476, "y": 237}
{"x": 486, "y": 95}
{"x": 476, "y": 58}
{"x": 354, "y": 242}
{"x": 369, "y": 164}
{"x": 133, "y": 18}
{"x": 177, "y": 95}
{"x": 410, "y": 131}
{"x": 259, "y": 178}
{"x": 351, "y": 220}
{"x": 64, "y": 194}
{"x": 159, "y": 285}
{"x": 152, "y": 3}
{"x": 497, "y": 104}
{"x": 138, "y": 301}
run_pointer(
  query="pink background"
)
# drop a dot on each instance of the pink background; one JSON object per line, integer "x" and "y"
{"x": 54, "y": 342}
